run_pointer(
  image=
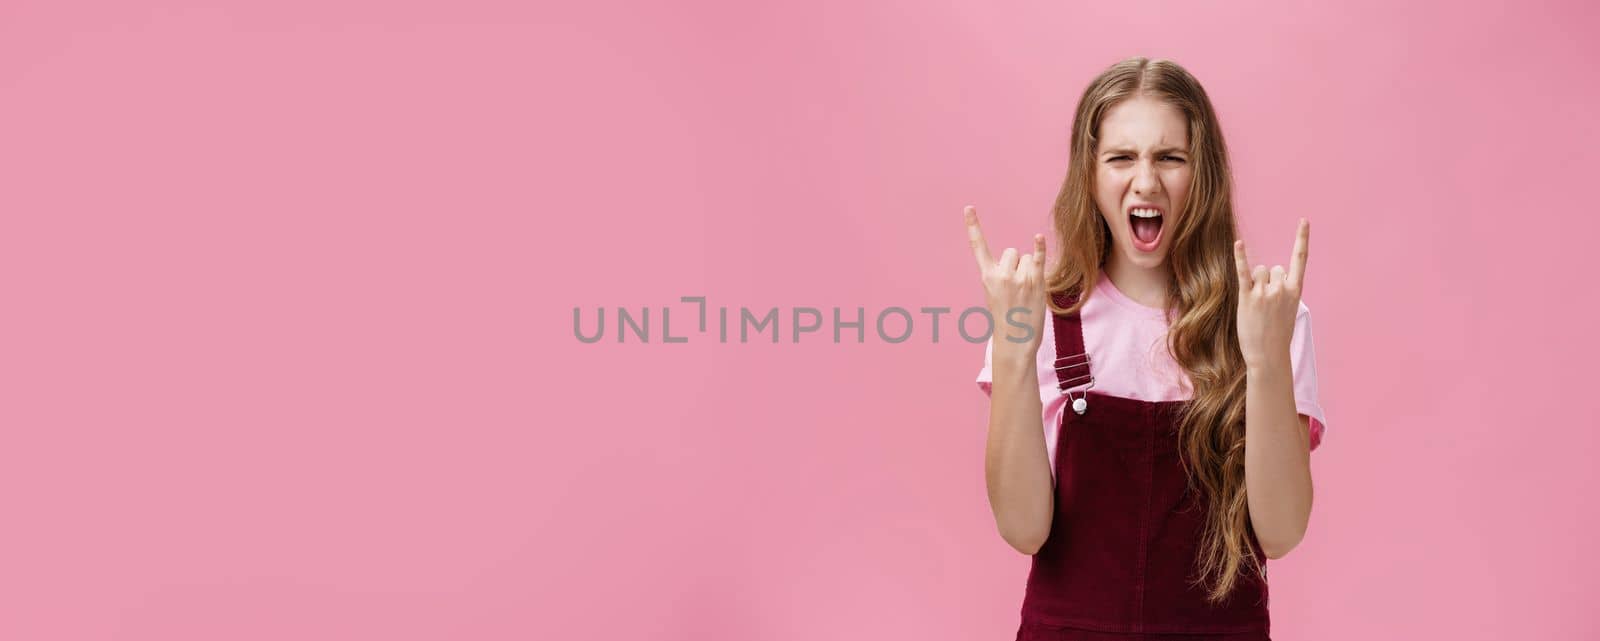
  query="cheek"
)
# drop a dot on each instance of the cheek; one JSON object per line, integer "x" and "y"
{"x": 1109, "y": 179}
{"x": 1108, "y": 189}
{"x": 1178, "y": 183}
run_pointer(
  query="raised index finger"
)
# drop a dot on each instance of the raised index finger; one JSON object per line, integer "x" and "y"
{"x": 1297, "y": 263}
{"x": 980, "y": 247}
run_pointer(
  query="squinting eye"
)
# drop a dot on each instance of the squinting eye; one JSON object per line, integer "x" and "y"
{"x": 1177, "y": 158}
{"x": 1117, "y": 158}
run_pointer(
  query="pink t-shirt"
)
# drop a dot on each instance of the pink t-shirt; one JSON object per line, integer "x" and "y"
{"x": 1126, "y": 342}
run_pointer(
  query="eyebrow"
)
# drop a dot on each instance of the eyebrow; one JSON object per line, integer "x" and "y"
{"x": 1130, "y": 150}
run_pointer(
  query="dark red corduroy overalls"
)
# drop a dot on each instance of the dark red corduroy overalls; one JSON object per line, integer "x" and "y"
{"x": 1121, "y": 553}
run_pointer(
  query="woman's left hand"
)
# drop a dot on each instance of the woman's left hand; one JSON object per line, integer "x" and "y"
{"x": 1268, "y": 303}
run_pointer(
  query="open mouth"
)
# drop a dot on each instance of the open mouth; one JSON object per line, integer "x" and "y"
{"x": 1147, "y": 225}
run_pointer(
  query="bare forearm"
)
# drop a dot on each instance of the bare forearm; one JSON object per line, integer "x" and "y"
{"x": 1277, "y": 458}
{"x": 1016, "y": 465}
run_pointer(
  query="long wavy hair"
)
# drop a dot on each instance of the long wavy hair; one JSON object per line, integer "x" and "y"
{"x": 1202, "y": 298}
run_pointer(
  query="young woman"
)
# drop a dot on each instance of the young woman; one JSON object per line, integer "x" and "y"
{"x": 1150, "y": 434}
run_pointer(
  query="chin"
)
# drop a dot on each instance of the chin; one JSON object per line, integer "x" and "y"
{"x": 1146, "y": 260}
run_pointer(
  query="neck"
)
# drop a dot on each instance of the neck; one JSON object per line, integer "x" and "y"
{"x": 1146, "y": 286}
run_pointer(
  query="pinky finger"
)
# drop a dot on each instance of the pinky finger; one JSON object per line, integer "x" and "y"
{"x": 1241, "y": 264}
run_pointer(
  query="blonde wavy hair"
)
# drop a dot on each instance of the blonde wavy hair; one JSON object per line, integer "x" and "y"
{"x": 1202, "y": 298}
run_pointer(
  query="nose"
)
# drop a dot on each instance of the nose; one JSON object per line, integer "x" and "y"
{"x": 1146, "y": 183}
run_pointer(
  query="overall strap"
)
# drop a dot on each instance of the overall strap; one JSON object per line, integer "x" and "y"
{"x": 1072, "y": 360}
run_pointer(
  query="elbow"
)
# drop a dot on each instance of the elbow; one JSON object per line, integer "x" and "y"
{"x": 1027, "y": 541}
{"x": 1029, "y": 547}
{"x": 1278, "y": 542}
{"x": 1278, "y": 549}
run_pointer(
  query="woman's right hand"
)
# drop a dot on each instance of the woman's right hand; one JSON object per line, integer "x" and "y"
{"x": 1016, "y": 460}
{"x": 1015, "y": 291}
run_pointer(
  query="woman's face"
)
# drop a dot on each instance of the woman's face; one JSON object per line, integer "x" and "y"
{"x": 1142, "y": 167}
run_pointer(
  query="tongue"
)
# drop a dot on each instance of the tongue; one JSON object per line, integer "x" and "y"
{"x": 1146, "y": 229}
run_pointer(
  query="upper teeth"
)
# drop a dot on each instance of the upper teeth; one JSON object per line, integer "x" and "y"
{"x": 1146, "y": 213}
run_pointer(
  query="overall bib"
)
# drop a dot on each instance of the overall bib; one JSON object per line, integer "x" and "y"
{"x": 1121, "y": 553}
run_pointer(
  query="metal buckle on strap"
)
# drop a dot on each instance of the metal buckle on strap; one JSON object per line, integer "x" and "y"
{"x": 1084, "y": 356}
{"x": 1081, "y": 403}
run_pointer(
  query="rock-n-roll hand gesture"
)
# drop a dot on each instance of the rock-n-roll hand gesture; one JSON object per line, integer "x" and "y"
{"x": 1269, "y": 301}
{"x": 1014, "y": 289}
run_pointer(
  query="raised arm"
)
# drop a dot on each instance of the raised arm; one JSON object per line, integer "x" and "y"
{"x": 1016, "y": 465}
{"x": 1277, "y": 459}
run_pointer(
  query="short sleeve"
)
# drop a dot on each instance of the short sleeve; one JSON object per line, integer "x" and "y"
{"x": 1051, "y": 399}
{"x": 1303, "y": 364}
{"x": 986, "y": 375}
{"x": 1044, "y": 363}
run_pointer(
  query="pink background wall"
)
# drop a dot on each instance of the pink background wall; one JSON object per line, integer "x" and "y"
{"x": 288, "y": 353}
